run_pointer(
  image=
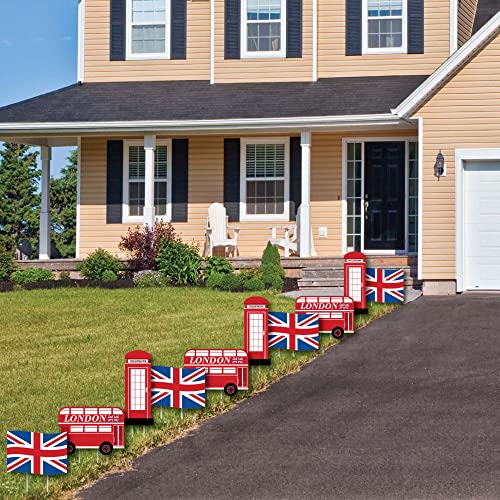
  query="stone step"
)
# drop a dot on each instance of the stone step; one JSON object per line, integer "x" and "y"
{"x": 323, "y": 272}
{"x": 320, "y": 283}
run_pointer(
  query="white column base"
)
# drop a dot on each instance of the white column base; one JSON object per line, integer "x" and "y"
{"x": 305, "y": 230}
{"x": 149, "y": 216}
{"x": 44, "y": 245}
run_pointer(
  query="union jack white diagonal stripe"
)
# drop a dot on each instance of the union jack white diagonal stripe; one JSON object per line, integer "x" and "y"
{"x": 178, "y": 387}
{"x": 297, "y": 332}
{"x": 385, "y": 285}
{"x": 37, "y": 453}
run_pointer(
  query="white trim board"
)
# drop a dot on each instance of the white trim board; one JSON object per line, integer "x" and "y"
{"x": 412, "y": 103}
{"x": 461, "y": 156}
{"x": 81, "y": 41}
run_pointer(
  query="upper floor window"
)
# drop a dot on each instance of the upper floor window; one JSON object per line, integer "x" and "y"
{"x": 148, "y": 23}
{"x": 263, "y": 28}
{"x": 384, "y": 26}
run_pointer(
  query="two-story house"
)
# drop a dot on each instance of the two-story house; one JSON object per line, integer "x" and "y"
{"x": 380, "y": 119}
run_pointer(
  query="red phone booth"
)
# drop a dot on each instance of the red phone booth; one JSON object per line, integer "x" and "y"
{"x": 355, "y": 280}
{"x": 256, "y": 319}
{"x": 138, "y": 388}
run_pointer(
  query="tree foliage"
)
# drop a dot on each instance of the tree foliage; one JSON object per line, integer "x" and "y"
{"x": 19, "y": 202}
{"x": 63, "y": 207}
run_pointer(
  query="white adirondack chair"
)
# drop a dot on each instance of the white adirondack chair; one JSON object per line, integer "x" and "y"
{"x": 217, "y": 231}
{"x": 290, "y": 243}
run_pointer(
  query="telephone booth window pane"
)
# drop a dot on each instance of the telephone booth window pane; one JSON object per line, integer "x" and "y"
{"x": 353, "y": 195}
{"x": 256, "y": 325}
{"x": 355, "y": 283}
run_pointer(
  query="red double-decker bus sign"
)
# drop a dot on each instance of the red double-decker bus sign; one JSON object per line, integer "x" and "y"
{"x": 215, "y": 360}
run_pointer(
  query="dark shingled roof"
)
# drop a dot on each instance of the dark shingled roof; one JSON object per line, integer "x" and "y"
{"x": 486, "y": 9}
{"x": 198, "y": 100}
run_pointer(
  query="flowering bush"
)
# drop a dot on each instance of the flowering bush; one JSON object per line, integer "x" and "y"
{"x": 142, "y": 244}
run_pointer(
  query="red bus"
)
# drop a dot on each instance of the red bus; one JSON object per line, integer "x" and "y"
{"x": 93, "y": 427}
{"x": 336, "y": 314}
{"x": 226, "y": 369}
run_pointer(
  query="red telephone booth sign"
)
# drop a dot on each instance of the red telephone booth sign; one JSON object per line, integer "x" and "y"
{"x": 138, "y": 388}
{"x": 355, "y": 280}
{"x": 256, "y": 328}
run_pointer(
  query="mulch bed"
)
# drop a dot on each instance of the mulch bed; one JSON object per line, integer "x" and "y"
{"x": 291, "y": 285}
{"x": 52, "y": 284}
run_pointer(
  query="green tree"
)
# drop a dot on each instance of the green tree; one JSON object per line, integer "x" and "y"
{"x": 19, "y": 202}
{"x": 63, "y": 207}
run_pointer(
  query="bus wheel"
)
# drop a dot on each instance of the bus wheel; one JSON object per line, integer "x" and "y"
{"x": 71, "y": 448}
{"x": 230, "y": 389}
{"x": 106, "y": 448}
{"x": 337, "y": 332}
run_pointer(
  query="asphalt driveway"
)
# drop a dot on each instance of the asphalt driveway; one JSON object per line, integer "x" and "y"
{"x": 407, "y": 408}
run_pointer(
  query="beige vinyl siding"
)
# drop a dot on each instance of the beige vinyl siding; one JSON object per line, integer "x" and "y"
{"x": 98, "y": 67}
{"x": 263, "y": 69}
{"x": 466, "y": 14}
{"x": 465, "y": 113}
{"x": 206, "y": 185}
{"x": 333, "y": 62}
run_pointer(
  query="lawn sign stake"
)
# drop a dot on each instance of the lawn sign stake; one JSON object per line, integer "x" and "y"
{"x": 37, "y": 453}
{"x": 226, "y": 369}
{"x": 256, "y": 330}
{"x": 355, "y": 281}
{"x": 101, "y": 428}
{"x": 336, "y": 314}
{"x": 138, "y": 388}
{"x": 385, "y": 285}
{"x": 296, "y": 332}
{"x": 178, "y": 387}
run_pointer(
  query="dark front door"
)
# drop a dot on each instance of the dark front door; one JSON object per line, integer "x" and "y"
{"x": 384, "y": 196}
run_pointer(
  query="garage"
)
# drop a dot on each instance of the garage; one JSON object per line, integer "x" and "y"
{"x": 481, "y": 229}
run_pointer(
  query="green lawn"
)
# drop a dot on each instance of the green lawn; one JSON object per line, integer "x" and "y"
{"x": 66, "y": 348}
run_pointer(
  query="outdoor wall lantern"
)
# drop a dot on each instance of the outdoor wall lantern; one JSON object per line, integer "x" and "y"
{"x": 439, "y": 166}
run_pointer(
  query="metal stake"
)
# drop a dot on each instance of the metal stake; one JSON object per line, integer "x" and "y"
{"x": 182, "y": 413}
{"x": 47, "y": 487}
{"x": 27, "y": 482}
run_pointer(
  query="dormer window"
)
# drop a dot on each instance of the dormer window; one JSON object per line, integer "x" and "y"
{"x": 384, "y": 26}
{"x": 148, "y": 23}
{"x": 263, "y": 28}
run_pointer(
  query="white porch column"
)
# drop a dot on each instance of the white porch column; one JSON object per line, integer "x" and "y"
{"x": 44, "y": 243}
{"x": 305, "y": 205}
{"x": 149, "y": 180}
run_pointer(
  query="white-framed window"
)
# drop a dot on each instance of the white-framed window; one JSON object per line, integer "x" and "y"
{"x": 263, "y": 28}
{"x": 265, "y": 179}
{"x": 148, "y": 29}
{"x": 384, "y": 26}
{"x": 134, "y": 171}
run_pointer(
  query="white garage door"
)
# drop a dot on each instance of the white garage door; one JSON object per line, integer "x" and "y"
{"x": 482, "y": 225}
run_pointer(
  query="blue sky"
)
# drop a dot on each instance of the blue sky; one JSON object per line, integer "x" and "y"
{"x": 38, "y": 51}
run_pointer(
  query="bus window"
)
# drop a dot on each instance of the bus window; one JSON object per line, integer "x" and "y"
{"x": 104, "y": 428}
{"x": 91, "y": 428}
{"x": 76, "y": 428}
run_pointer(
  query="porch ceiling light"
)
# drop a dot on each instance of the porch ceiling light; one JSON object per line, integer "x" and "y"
{"x": 439, "y": 166}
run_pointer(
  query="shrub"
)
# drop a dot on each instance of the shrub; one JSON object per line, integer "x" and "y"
{"x": 247, "y": 273}
{"x": 179, "y": 262}
{"x": 254, "y": 284}
{"x": 109, "y": 276}
{"x": 31, "y": 275}
{"x": 7, "y": 267}
{"x": 218, "y": 265}
{"x": 270, "y": 255}
{"x": 97, "y": 263}
{"x": 272, "y": 269}
{"x": 230, "y": 282}
{"x": 64, "y": 275}
{"x": 142, "y": 244}
{"x": 214, "y": 280}
{"x": 150, "y": 279}
{"x": 273, "y": 282}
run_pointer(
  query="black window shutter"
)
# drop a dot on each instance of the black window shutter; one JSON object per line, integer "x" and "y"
{"x": 294, "y": 28}
{"x": 232, "y": 22}
{"x": 415, "y": 26}
{"x": 118, "y": 30}
{"x": 295, "y": 176}
{"x": 353, "y": 27}
{"x": 180, "y": 172}
{"x": 232, "y": 178}
{"x": 178, "y": 29}
{"x": 114, "y": 182}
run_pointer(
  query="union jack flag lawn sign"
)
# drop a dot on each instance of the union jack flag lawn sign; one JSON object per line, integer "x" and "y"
{"x": 296, "y": 332}
{"x": 385, "y": 285}
{"x": 37, "y": 453}
{"x": 178, "y": 387}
